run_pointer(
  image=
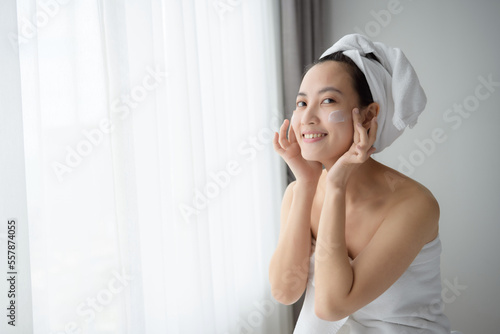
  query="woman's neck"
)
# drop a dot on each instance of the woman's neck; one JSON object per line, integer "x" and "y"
{"x": 364, "y": 182}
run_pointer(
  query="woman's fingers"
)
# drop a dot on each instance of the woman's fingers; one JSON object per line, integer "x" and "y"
{"x": 276, "y": 144}
{"x": 364, "y": 140}
{"x": 280, "y": 141}
{"x": 356, "y": 118}
{"x": 363, "y": 135}
{"x": 373, "y": 131}
{"x": 283, "y": 139}
{"x": 367, "y": 138}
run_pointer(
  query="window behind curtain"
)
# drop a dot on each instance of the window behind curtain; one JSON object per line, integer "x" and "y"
{"x": 153, "y": 190}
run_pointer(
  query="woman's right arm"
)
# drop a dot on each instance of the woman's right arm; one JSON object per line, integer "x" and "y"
{"x": 289, "y": 266}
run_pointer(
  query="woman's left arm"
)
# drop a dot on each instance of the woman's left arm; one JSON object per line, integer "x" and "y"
{"x": 342, "y": 286}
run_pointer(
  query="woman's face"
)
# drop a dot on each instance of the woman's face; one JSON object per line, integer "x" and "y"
{"x": 323, "y": 111}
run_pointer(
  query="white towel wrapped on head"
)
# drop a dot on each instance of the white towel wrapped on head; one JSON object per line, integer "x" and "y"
{"x": 393, "y": 83}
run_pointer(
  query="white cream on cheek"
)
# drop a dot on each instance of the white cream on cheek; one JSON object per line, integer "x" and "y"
{"x": 336, "y": 117}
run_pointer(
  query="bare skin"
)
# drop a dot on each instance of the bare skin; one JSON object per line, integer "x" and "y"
{"x": 368, "y": 220}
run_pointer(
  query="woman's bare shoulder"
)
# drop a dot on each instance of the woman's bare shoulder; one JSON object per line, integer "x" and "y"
{"x": 411, "y": 198}
{"x": 404, "y": 187}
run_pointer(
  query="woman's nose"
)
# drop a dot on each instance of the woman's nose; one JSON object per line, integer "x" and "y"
{"x": 310, "y": 116}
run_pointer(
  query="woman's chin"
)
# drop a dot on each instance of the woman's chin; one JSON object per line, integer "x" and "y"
{"x": 311, "y": 156}
{"x": 317, "y": 157}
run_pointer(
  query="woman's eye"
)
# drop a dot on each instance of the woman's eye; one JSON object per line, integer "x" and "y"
{"x": 327, "y": 101}
{"x": 301, "y": 104}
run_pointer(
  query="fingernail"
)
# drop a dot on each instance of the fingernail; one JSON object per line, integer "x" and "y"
{"x": 356, "y": 110}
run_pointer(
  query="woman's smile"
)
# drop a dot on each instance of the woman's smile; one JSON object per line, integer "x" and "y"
{"x": 313, "y": 137}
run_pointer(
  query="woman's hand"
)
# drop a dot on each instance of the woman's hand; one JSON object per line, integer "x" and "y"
{"x": 289, "y": 149}
{"x": 359, "y": 152}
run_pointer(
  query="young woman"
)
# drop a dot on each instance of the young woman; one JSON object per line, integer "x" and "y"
{"x": 359, "y": 237}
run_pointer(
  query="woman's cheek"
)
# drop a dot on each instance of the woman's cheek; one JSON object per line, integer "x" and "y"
{"x": 297, "y": 134}
{"x": 292, "y": 122}
{"x": 336, "y": 116}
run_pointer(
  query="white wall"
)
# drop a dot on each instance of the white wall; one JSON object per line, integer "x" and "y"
{"x": 451, "y": 44}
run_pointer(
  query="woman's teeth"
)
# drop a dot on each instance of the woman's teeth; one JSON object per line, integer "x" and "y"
{"x": 314, "y": 135}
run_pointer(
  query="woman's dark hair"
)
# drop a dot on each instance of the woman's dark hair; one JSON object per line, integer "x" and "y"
{"x": 358, "y": 78}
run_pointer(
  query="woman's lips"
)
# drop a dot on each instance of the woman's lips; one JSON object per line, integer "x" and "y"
{"x": 313, "y": 137}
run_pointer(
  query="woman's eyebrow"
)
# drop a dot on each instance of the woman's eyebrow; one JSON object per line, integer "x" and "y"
{"x": 323, "y": 90}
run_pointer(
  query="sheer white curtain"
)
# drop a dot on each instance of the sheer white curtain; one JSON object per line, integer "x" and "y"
{"x": 153, "y": 190}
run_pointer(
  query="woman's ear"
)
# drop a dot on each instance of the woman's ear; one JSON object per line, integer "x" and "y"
{"x": 369, "y": 112}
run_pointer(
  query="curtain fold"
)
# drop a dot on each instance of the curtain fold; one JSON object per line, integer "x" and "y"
{"x": 302, "y": 42}
{"x": 150, "y": 124}
{"x": 14, "y": 236}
